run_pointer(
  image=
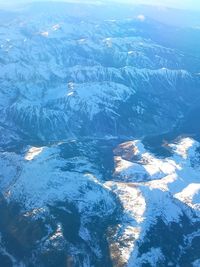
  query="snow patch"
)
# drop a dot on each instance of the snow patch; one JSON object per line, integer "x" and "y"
{"x": 33, "y": 152}
{"x": 141, "y": 17}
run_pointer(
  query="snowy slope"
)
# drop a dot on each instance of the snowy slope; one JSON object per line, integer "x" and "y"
{"x": 149, "y": 189}
{"x": 153, "y": 189}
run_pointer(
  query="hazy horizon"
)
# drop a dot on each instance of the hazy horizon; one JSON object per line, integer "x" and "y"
{"x": 192, "y": 5}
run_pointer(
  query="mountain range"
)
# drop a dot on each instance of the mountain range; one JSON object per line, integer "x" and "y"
{"x": 99, "y": 126}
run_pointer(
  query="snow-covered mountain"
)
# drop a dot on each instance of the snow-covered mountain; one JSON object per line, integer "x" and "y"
{"x": 96, "y": 165}
{"x": 149, "y": 207}
{"x": 62, "y": 77}
{"x": 161, "y": 204}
